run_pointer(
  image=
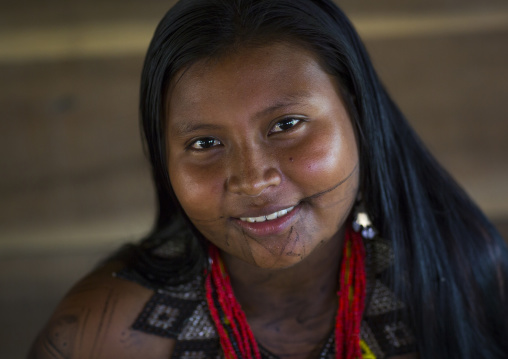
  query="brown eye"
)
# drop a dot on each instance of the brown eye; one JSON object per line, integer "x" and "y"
{"x": 205, "y": 143}
{"x": 285, "y": 125}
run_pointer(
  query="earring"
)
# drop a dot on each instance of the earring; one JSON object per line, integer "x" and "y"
{"x": 363, "y": 223}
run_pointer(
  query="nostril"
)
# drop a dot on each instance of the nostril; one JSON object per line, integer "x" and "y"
{"x": 253, "y": 184}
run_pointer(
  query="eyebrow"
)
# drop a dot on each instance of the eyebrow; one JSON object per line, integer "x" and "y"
{"x": 286, "y": 101}
{"x": 187, "y": 127}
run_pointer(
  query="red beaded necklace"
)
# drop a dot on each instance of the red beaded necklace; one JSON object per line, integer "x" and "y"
{"x": 235, "y": 335}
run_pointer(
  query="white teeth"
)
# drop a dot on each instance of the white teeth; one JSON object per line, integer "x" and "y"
{"x": 282, "y": 212}
{"x": 267, "y": 217}
{"x": 272, "y": 216}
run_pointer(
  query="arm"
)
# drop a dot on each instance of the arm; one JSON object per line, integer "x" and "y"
{"x": 93, "y": 322}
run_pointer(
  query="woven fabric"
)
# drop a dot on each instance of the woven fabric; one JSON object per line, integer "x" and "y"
{"x": 180, "y": 312}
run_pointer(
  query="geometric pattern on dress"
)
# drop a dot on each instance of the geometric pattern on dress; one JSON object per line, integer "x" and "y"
{"x": 398, "y": 334}
{"x": 180, "y": 312}
{"x": 368, "y": 336}
{"x": 199, "y": 325}
{"x": 382, "y": 300}
{"x": 382, "y": 254}
{"x": 384, "y": 312}
{"x": 164, "y": 315}
{"x": 186, "y": 291}
{"x": 392, "y": 335}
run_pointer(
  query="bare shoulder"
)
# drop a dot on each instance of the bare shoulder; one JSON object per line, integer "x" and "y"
{"x": 93, "y": 321}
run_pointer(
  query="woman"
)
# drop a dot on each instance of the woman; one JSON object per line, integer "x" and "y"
{"x": 273, "y": 146}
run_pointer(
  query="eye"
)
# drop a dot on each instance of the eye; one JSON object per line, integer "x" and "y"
{"x": 285, "y": 125}
{"x": 204, "y": 143}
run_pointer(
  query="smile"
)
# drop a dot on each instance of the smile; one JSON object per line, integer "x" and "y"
{"x": 268, "y": 217}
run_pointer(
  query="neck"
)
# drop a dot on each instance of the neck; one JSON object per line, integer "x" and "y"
{"x": 291, "y": 311}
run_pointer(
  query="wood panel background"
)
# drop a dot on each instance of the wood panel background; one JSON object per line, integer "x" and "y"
{"x": 74, "y": 183}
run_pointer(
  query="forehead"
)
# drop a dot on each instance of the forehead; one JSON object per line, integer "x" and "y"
{"x": 248, "y": 76}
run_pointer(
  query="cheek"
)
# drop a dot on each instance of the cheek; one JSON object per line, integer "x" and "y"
{"x": 325, "y": 158}
{"x": 198, "y": 189}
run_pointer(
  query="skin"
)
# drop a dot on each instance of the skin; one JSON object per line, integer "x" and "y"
{"x": 261, "y": 129}
{"x": 229, "y": 158}
{"x": 260, "y": 159}
{"x": 93, "y": 321}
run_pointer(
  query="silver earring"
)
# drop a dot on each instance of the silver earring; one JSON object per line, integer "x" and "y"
{"x": 362, "y": 222}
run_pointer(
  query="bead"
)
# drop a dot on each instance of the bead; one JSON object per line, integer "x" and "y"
{"x": 235, "y": 335}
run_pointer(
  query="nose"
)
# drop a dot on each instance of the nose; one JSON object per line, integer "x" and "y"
{"x": 252, "y": 171}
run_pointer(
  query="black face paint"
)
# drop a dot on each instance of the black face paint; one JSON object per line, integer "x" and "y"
{"x": 290, "y": 252}
{"x": 246, "y": 249}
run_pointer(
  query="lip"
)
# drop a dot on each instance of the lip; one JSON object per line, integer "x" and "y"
{"x": 268, "y": 228}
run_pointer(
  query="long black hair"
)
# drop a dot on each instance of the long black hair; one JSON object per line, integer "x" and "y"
{"x": 451, "y": 265}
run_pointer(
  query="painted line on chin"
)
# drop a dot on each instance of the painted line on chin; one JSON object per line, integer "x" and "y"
{"x": 248, "y": 250}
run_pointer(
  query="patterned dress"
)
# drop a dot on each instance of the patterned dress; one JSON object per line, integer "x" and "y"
{"x": 180, "y": 311}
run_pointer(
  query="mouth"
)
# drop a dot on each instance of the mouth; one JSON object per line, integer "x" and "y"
{"x": 269, "y": 225}
{"x": 268, "y": 217}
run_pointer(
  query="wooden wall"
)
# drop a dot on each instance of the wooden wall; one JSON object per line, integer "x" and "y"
{"x": 73, "y": 171}
{"x": 74, "y": 181}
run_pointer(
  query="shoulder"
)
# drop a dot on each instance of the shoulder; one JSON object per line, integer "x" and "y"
{"x": 94, "y": 321}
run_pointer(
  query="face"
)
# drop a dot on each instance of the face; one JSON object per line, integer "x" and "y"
{"x": 262, "y": 153}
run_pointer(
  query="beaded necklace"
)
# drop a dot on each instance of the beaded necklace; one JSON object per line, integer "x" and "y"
{"x": 236, "y": 338}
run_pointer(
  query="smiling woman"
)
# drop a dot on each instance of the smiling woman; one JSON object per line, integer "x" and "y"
{"x": 273, "y": 146}
{"x": 232, "y": 172}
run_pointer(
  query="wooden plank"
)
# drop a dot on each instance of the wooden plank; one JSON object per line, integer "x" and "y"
{"x": 122, "y": 37}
